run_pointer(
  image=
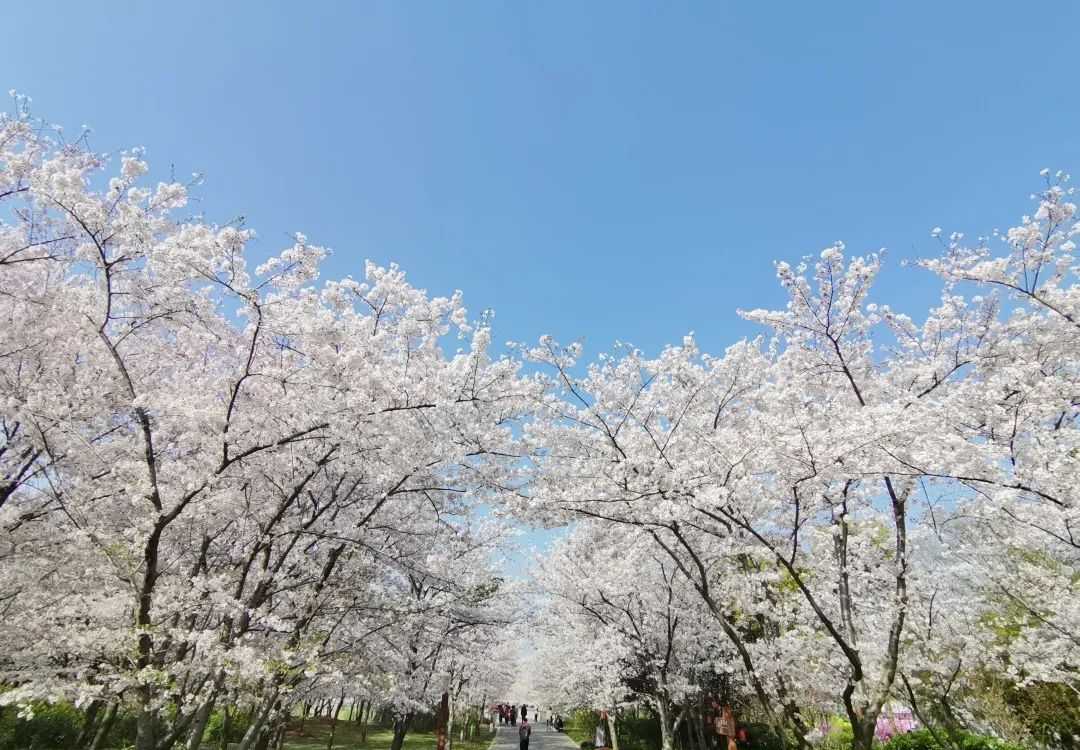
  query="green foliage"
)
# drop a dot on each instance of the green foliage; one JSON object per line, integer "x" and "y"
{"x": 53, "y": 726}
{"x": 787, "y": 583}
{"x": 638, "y": 733}
{"x": 761, "y": 737}
{"x": 423, "y": 723}
{"x": 122, "y": 733}
{"x": 839, "y": 737}
{"x": 634, "y": 733}
{"x": 214, "y": 728}
{"x": 482, "y": 592}
{"x": 1037, "y": 714}
{"x": 1050, "y": 712}
{"x": 580, "y": 725}
{"x": 924, "y": 740}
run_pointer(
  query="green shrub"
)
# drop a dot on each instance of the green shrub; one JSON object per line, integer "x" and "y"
{"x": 122, "y": 732}
{"x": 762, "y": 737}
{"x": 580, "y": 725}
{"x": 237, "y": 726}
{"x": 922, "y": 739}
{"x": 1050, "y": 712}
{"x": 840, "y": 735}
{"x": 53, "y": 726}
{"x": 638, "y": 733}
{"x": 426, "y": 722}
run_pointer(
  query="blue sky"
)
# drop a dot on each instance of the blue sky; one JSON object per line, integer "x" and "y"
{"x": 599, "y": 170}
{"x": 612, "y": 171}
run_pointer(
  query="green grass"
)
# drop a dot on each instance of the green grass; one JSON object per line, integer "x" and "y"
{"x": 579, "y": 727}
{"x": 317, "y": 732}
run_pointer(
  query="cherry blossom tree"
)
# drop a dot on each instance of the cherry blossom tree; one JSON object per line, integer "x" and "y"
{"x": 1014, "y": 443}
{"x": 225, "y": 486}
{"x": 629, "y": 623}
{"x": 209, "y": 472}
{"x": 818, "y": 460}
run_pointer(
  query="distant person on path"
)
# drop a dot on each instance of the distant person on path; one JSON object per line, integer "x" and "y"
{"x": 513, "y": 716}
{"x": 524, "y": 732}
{"x": 558, "y": 723}
{"x": 524, "y": 712}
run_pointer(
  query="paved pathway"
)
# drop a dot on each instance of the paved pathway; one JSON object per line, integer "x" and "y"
{"x": 542, "y": 739}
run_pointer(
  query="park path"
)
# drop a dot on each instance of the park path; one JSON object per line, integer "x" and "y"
{"x": 542, "y": 739}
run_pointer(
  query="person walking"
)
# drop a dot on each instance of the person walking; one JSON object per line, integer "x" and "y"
{"x": 524, "y": 733}
{"x": 524, "y": 712}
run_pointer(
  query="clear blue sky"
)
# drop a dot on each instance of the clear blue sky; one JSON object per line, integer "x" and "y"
{"x": 607, "y": 170}
{"x": 601, "y": 170}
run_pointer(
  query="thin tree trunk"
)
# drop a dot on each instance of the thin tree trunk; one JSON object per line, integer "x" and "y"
{"x": 226, "y": 728}
{"x": 691, "y": 736}
{"x": 202, "y": 716}
{"x": 450, "y": 726}
{"x": 365, "y": 722}
{"x": 666, "y": 741}
{"x": 249, "y": 716}
{"x": 258, "y": 724}
{"x": 611, "y": 731}
{"x": 699, "y": 729}
{"x": 198, "y": 726}
{"x": 333, "y": 723}
{"x": 273, "y": 734}
{"x": 106, "y": 725}
{"x": 89, "y": 723}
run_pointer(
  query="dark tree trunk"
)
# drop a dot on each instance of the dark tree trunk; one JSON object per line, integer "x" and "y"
{"x": 89, "y": 723}
{"x": 365, "y": 721}
{"x": 333, "y": 724}
{"x": 442, "y": 720}
{"x": 401, "y": 728}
